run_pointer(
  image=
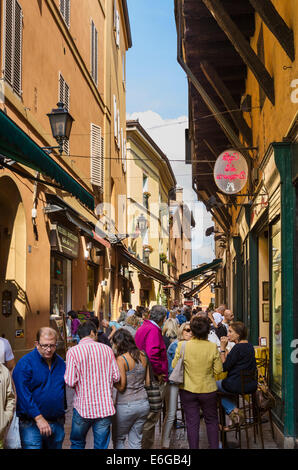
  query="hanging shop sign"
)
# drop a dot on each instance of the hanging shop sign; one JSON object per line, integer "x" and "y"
{"x": 64, "y": 241}
{"x": 6, "y": 303}
{"x": 230, "y": 172}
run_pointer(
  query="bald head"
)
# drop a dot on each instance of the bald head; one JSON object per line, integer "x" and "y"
{"x": 221, "y": 309}
{"x": 46, "y": 331}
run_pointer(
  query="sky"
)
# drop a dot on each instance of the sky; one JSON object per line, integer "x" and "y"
{"x": 157, "y": 95}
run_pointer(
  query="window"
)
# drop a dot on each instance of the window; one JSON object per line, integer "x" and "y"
{"x": 123, "y": 69}
{"x": 116, "y": 24}
{"x": 123, "y": 143}
{"x": 97, "y": 157}
{"x": 94, "y": 53}
{"x": 64, "y": 97}
{"x": 12, "y": 55}
{"x": 276, "y": 308}
{"x": 65, "y": 11}
{"x": 117, "y": 130}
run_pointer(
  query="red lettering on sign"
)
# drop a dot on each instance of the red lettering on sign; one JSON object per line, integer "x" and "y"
{"x": 230, "y": 157}
{"x": 241, "y": 176}
{"x": 230, "y": 167}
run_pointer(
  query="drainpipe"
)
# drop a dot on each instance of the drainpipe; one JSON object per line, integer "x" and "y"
{"x": 227, "y": 129}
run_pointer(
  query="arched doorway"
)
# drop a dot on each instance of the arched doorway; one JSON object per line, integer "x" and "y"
{"x": 13, "y": 298}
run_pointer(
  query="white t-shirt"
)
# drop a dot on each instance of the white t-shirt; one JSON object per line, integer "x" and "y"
{"x": 130, "y": 312}
{"x": 217, "y": 317}
{"x": 6, "y": 353}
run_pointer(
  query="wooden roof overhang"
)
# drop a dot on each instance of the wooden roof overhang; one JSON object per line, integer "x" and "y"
{"x": 221, "y": 71}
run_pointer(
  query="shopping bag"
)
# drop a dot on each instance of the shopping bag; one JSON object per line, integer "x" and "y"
{"x": 13, "y": 440}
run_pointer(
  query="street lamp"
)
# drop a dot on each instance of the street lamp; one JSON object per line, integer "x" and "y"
{"x": 142, "y": 223}
{"x": 61, "y": 123}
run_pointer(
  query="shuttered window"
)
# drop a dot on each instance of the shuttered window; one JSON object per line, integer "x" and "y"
{"x": 97, "y": 157}
{"x": 64, "y": 97}
{"x": 13, "y": 34}
{"x": 65, "y": 11}
{"x": 123, "y": 146}
{"x": 94, "y": 53}
{"x": 116, "y": 24}
{"x": 115, "y": 116}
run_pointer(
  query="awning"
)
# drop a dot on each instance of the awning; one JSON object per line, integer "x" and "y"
{"x": 216, "y": 263}
{"x": 201, "y": 286}
{"x": 142, "y": 267}
{"x": 55, "y": 203}
{"x": 17, "y": 145}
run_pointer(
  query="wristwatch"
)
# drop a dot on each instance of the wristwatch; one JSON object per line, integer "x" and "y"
{"x": 222, "y": 351}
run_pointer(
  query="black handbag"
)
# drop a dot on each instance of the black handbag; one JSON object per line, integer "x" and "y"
{"x": 153, "y": 392}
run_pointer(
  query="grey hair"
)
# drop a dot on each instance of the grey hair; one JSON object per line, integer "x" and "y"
{"x": 158, "y": 313}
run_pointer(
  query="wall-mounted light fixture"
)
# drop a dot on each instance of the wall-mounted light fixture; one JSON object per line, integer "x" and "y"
{"x": 61, "y": 124}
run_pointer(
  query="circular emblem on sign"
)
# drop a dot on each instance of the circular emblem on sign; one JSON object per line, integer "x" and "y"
{"x": 230, "y": 171}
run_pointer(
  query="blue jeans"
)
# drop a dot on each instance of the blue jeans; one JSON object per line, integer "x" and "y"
{"x": 32, "y": 439}
{"x": 81, "y": 426}
{"x": 228, "y": 404}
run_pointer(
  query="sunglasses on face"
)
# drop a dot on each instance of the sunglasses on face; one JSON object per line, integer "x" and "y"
{"x": 188, "y": 330}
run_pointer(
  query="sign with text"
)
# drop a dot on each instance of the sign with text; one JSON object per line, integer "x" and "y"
{"x": 65, "y": 241}
{"x": 230, "y": 172}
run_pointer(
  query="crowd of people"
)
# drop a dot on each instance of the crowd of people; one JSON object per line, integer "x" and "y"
{"x": 111, "y": 367}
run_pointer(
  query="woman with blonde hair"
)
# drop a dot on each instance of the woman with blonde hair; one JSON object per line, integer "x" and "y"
{"x": 169, "y": 331}
{"x": 171, "y": 395}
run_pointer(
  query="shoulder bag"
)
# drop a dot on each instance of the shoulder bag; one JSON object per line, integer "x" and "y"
{"x": 177, "y": 375}
{"x": 153, "y": 391}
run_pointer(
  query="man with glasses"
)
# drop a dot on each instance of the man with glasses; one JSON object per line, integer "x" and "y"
{"x": 40, "y": 387}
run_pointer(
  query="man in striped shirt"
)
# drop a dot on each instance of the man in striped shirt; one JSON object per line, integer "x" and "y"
{"x": 91, "y": 369}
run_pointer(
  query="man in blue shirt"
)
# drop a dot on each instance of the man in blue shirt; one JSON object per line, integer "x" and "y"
{"x": 40, "y": 387}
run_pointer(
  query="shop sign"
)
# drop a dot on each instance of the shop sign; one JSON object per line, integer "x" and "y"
{"x": 259, "y": 206}
{"x": 19, "y": 334}
{"x": 230, "y": 171}
{"x": 67, "y": 242}
{"x": 6, "y": 303}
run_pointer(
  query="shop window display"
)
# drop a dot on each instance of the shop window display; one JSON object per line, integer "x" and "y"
{"x": 276, "y": 309}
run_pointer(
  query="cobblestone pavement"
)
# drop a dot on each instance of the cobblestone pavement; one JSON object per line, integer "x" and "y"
{"x": 178, "y": 437}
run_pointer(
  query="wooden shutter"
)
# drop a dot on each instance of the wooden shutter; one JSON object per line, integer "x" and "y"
{"x": 12, "y": 56}
{"x": 17, "y": 69}
{"x": 97, "y": 157}
{"x": 123, "y": 151}
{"x": 65, "y": 11}
{"x": 118, "y": 128}
{"x": 94, "y": 53}
{"x": 64, "y": 97}
{"x": 118, "y": 29}
{"x": 115, "y": 117}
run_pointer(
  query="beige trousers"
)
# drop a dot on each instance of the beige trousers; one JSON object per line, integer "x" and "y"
{"x": 150, "y": 424}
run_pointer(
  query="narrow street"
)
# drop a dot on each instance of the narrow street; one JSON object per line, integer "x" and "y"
{"x": 179, "y": 437}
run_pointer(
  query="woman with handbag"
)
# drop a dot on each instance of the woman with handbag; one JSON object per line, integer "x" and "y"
{"x": 201, "y": 364}
{"x": 132, "y": 405}
{"x": 171, "y": 395}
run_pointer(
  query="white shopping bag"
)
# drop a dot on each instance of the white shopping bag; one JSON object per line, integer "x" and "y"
{"x": 13, "y": 440}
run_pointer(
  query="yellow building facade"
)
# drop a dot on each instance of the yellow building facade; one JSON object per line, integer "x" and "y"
{"x": 55, "y": 252}
{"x": 149, "y": 181}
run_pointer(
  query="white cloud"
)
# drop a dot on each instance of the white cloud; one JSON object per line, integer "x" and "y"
{"x": 169, "y": 135}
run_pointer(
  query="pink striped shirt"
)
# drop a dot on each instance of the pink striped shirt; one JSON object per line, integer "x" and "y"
{"x": 91, "y": 369}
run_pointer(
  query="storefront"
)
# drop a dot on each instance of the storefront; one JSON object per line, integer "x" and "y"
{"x": 64, "y": 248}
